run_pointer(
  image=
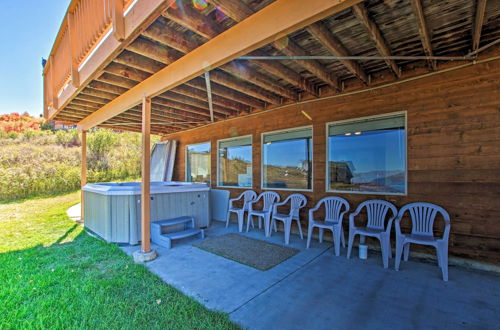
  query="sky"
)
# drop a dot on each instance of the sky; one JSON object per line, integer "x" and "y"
{"x": 28, "y": 29}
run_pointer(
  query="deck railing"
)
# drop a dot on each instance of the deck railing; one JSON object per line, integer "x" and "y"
{"x": 85, "y": 24}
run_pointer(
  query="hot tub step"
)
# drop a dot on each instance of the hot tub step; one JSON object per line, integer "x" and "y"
{"x": 171, "y": 222}
{"x": 165, "y": 240}
{"x": 185, "y": 233}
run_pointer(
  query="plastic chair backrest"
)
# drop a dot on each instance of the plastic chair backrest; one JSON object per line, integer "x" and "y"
{"x": 298, "y": 201}
{"x": 333, "y": 207}
{"x": 269, "y": 198}
{"x": 248, "y": 196}
{"x": 423, "y": 216}
{"x": 376, "y": 211}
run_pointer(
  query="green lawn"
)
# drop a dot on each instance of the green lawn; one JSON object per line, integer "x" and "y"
{"x": 53, "y": 275}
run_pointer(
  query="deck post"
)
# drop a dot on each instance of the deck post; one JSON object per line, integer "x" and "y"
{"x": 145, "y": 254}
{"x": 84, "y": 172}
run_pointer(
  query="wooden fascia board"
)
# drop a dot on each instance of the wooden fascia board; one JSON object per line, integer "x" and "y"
{"x": 274, "y": 21}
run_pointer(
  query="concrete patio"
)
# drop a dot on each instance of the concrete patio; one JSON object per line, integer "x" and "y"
{"x": 315, "y": 289}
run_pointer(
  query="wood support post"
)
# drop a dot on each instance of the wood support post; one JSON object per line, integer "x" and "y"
{"x": 145, "y": 186}
{"x": 84, "y": 171}
{"x": 118, "y": 20}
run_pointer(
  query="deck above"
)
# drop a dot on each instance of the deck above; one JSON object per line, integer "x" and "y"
{"x": 106, "y": 48}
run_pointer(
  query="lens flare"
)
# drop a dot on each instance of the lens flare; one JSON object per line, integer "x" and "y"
{"x": 199, "y": 4}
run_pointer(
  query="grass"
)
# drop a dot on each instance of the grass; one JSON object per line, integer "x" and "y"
{"x": 53, "y": 275}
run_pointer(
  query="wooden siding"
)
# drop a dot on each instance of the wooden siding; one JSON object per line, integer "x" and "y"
{"x": 453, "y": 148}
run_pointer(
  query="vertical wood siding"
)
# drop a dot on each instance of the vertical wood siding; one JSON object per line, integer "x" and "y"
{"x": 453, "y": 148}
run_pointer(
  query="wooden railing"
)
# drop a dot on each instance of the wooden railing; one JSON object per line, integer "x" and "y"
{"x": 85, "y": 24}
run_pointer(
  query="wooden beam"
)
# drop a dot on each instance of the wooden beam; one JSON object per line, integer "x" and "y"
{"x": 125, "y": 71}
{"x": 110, "y": 88}
{"x": 334, "y": 46}
{"x": 118, "y": 20}
{"x": 164, "y": 34}
{"x": 116, "y": 80}
{"x": 216, "y": 99}
{"x": 145, "y": 177}
{"x": 362, "y": 15}
{"x": 239, "y": 11}
{"x": 195, "y": 102}
{"x": 241, "y": 70}
{"x": 283, "y": 72}
{"x": 152, "y": 50}
{"x": 222, "y": 78}
{"x": 193, "y": 20}
{"x": 83, "y": 175}
{"x": 139, "y": 62}
{"x": 274, "y": 21}
{"x": 288, "y": 47}
{"x": 423, "y": 30}
{"x": 478, "y": 23}
{"x": 198, "y": 23}
{"x": 228, "y": 93}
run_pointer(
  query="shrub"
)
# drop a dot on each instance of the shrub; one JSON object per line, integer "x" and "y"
{"x": 44, "y": 162}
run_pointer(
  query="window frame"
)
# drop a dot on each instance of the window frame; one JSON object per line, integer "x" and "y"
{"x": 186, "y": 160}
{"x": 218, "y": 185}
{"x": 262, "y": 158}
{"x": 327, "y": 134}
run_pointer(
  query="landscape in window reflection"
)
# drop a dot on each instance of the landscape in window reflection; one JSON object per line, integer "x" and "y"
{"x": 198, "y": 166}
{"x": 235, "y": 166}
{"x": 287, "y": 164}
{"x": 370, "y": 161}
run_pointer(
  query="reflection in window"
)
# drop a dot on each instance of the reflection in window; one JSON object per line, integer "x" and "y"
{"x": 368, "y": 155}
{"x": 235, "y": 162}
{"x": 287, "y": 159}
{"x": 198, "y": 163}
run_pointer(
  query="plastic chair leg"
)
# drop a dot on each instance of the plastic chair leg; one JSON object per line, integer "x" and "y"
{"x": 288, "y": 224}
{"x": 249, "y": 219}
{"x": 407, "y": 251}
{"x": 300, "y": 229}
{"x": 336, "y": 241}
{"x": 385, "y": 253}
{"x": 228, "y": 215}
{"x": 352, "y": 234}
{"x": 443, "y": 256}
{"x": 342, "y": 236}
{"x": 241, "y": 216}
{"x": 321, "y": 235}
{"x": 399, "y": 251}
{"x": 309, "y": 234}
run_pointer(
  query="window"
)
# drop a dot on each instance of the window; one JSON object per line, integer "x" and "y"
{"x": 287, "y": 159}
{"x": 368, "y": 155}
{"x": 198, "y": 163}
{"x": 235, "y": 162}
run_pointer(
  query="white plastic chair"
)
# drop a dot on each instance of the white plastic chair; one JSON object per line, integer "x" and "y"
{"x": 335, "y": 208}
{"x": 377, "y": 212}
{"x": 297, "y": 201}
{"x": 268, "y": 200}
{"x": 247, "y": 196}
{"x": 422, "y": 219}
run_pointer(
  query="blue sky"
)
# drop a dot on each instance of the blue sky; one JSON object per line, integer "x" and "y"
{"x": 27, "y": 31}
{"x": 371, "y": 151}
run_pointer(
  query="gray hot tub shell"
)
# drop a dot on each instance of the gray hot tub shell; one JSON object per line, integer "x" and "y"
{"x": 113, "y": 210}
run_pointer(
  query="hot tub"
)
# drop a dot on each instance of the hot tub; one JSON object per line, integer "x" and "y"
{"x": 113, "y": 209}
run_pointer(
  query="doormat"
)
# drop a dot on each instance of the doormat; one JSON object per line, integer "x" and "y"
{"x": 248, "y": 251}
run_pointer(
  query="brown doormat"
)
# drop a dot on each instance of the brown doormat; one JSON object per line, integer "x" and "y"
{"x": 248, "y": 251}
